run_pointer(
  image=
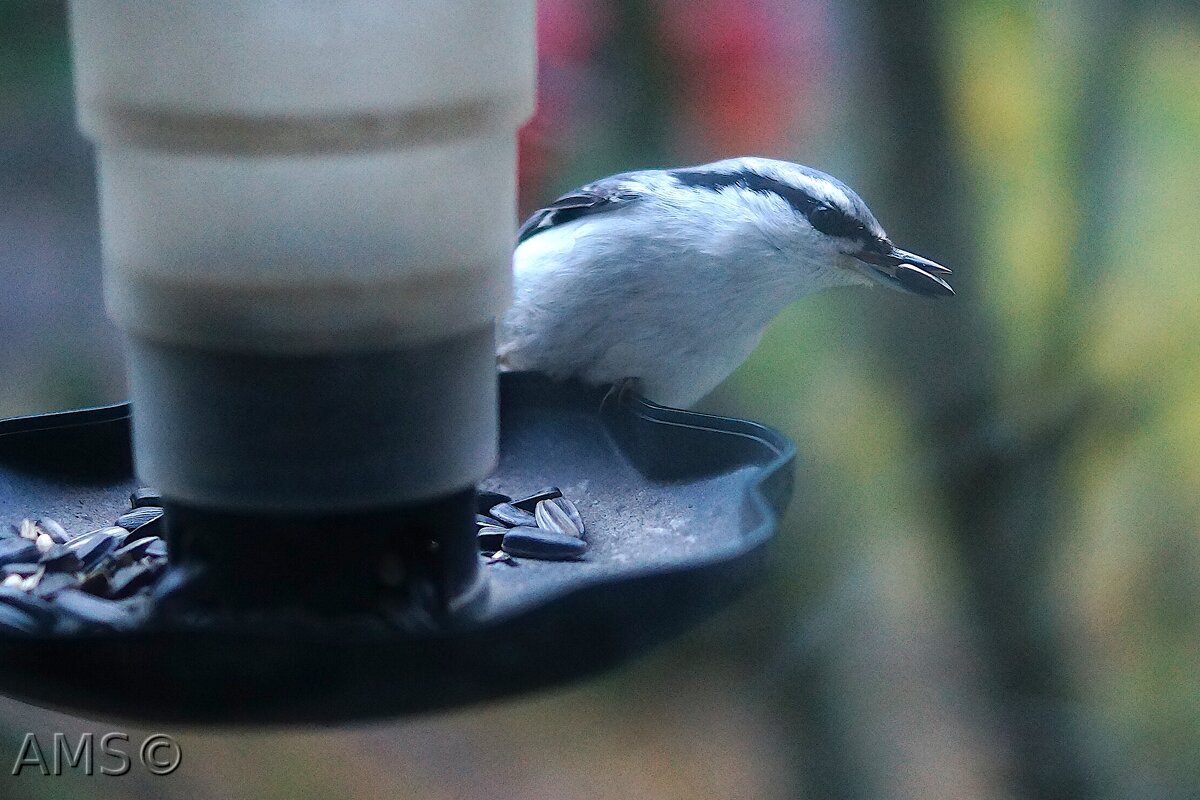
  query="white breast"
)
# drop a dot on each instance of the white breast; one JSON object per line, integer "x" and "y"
{"x": 639, "y": 292}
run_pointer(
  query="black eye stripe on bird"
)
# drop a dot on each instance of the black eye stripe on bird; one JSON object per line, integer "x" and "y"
{"x": 671, "y": 276}
{"x": 820, "y": 213}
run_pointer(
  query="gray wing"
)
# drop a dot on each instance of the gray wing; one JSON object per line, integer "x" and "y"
{"x": 603, "y": 195}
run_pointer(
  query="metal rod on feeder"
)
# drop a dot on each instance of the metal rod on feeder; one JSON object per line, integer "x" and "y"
{"x": 298, "y": 249}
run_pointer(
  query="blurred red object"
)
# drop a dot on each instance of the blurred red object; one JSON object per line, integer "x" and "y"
{"x": 749, "y": 73}
{"x": 742, "y": 79}
{"x": 569, "y": 32}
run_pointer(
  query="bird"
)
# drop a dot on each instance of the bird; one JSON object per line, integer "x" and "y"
{"x": 670, "y": 277}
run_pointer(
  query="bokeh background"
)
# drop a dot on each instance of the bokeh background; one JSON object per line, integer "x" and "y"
{"x": 988, "y": 584}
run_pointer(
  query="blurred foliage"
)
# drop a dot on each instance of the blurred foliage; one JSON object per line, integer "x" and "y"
{"x": 1109, "y": 300}
{"x": 1133, "y": 560}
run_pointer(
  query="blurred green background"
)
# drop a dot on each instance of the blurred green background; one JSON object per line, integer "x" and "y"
{"x": 988, "y": 584}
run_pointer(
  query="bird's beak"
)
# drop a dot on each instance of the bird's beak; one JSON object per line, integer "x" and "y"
{"x": 902, "y": 270}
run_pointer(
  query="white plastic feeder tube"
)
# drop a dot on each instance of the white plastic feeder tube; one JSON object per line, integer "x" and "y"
{"x": 307, "y": 213}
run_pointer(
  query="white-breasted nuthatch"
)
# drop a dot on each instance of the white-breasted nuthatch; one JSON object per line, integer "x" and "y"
{"x": 671, "y": 276}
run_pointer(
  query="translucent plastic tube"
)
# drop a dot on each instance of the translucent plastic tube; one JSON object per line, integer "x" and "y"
{"x": 307, "y": 205}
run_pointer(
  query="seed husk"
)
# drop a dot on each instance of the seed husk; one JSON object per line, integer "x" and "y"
{"x": 86, "y": 540}
{"x": 28, "y": 530}
{"x": 139, "y": 519}
{"x": 490, "y": 537}
{"x": 133, "y": 551}
{"x": 559, "y": 515}
{"x": 54, "y": 582}
{"x": 544, "y": 545}
{"x": 36, "y": 607}
{"x": 94, "y": 546}
{"x": 18, "y": 550}
{"x": 61, "y": 558}
{"x": 94, "y": 610}
{"x": 530, "y": 503}
{"x": 128, "y": 580}
{"x": 145, "y": 496}
{"x": 51, "y": 527}
{"x": 485, "y": 500}
{"x": 511, "y": 515}
{"x": 14, "y": 620}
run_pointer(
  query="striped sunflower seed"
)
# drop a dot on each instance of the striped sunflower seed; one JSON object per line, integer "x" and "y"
{"x": 559, "y": 515}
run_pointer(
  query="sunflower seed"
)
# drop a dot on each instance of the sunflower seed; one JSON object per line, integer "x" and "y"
{"x": 19, "y": 569}
{"x": 86, "y": 540}
{"x": 530, "y": 503}
{"x": 483, "y": 520}
{"x": 544, "y": 545}
{"x": 146, "y": 521}
{"x": 145, "y": 496}
{"x": 129, "y": 580}
{"x": 490, "y": 537}
{"x": 56, "y": 531}
{"x": 61, "y": 558}
{"x": 53, "y": 583}
{"x": 86, "y": 608}
{"x": 18, "y": 550}
{"x": 93, "y": 547}
{"x": 485, "y": 500}
{"x": 157, "y": 549}
{"x": 13, "y": 620}
{"x": 40, "y": 609}
{"x": 133, "y": 551}
{"x": 559, "y": 515}
{"x": 43, "y": 542}
{"x": 511, "y": 515}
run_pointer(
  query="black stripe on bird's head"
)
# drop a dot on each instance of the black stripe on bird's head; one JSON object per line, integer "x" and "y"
{"x": 829, "y": 205}
{"x": 834, "y": 209}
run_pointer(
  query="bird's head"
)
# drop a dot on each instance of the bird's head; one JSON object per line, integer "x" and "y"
{"x": 825, "y": 224}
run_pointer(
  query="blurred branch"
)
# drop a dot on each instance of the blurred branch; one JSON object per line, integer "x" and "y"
{"x": 1110, "y": 25}
{"x": 645, "y": 82}
{"x": 1000, "y": 477}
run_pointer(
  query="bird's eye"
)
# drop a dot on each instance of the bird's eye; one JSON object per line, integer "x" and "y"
{"x": 835, "y": 222}
{"x": 830, "y": 221}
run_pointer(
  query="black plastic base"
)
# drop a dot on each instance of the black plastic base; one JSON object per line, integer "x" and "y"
{"x": 420, "y": 555}
{"x": 680, "y": 509}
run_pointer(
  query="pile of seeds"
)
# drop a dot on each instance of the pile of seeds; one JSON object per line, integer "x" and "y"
{"x": 545, "y": 525}
{"x": 53, "y": 582}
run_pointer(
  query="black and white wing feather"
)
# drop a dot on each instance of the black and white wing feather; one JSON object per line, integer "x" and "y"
{"x": 603, "y": 195}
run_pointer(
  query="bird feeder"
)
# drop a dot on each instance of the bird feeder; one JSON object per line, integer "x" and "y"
{"x": 307, "y": 213}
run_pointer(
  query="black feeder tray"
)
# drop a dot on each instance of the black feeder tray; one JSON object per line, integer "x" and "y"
{"x": 680, "y": 509}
